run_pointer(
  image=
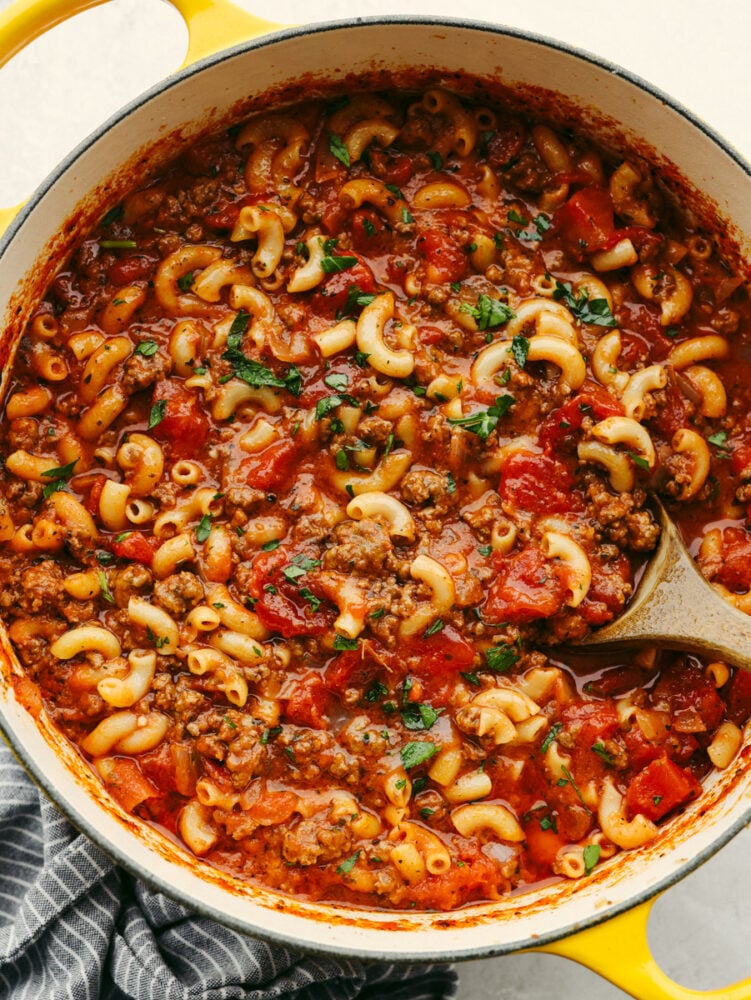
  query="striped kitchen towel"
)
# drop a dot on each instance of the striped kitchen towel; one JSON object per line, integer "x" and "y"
{"x": 73, "y": 926}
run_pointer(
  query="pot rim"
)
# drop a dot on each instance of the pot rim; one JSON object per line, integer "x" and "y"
{"x": 17, "y": 744}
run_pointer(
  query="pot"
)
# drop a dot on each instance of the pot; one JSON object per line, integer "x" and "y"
{"x": 600, "y": 923}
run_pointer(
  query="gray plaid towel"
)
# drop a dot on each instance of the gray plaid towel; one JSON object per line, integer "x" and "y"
{"x": 73, "y": 926}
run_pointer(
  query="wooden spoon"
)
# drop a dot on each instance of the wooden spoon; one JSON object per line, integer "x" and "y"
{"x": 674, "y": 607}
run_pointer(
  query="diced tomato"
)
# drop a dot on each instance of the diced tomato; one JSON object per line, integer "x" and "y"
{"x": 331, "y": 296}
{"x": 172, "y": 768}
{"x": 537, "y": 484}
{"x": 738, "y": 697}
{"x": 561, "y": 426}
{"x": 542, "y": 845}
{"x": 686, "y": 689}
{"x": 443, "y": 653}
{"x": 134, "y": 267}
{"x": 590, "y": 721}
{"x": 644, "y": 319}
{"x": 307, "y": 705}
{"x": 659, "y": 788}
{"x": 640, "y": 750}
{"x": 184, "y": 423}
{"x": 672, "y": 414}
{"x": 333, "y": 214}
{"x": 273, "y": 808}
{"x": 735, "y": 571}
{"x": 741, "y": 458}
{"x": 136, "y": 547}
{"x": 91, "y": 503}
{"x": 279, "y": 603}
{"x": 125, "y": 782}
{"x": 635, "y": 351}
{"x": 616, "y": 681}
{"x": 445, "y": 260}
{"x": 607, "y": 592}
{"x": 586, "y": 220}
{"x": 268, "y": 469}
{"x": 526, "y": 588}
{"x": 390, "y": 166}
{"x": 475, "y": 878}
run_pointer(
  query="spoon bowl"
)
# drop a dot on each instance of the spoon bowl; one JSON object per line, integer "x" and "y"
{"x": 674, "y": 607}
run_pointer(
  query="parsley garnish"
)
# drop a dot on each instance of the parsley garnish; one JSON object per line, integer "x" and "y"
{"x": 339, "y": 150}
{"x": 313, "y": 601}
{"x": 204, "y": 528}
{"x": 336, "y": 381}
{"x": 500, "y": 658}
{"x": 436, "y": 160}
{"x": 146, "y": 347}
{"x": 59, "y": 476}
{"x": 253, "y": 372}
{"x": 415, "y": 753}
{"x": 419, "y": 716}
{"x": 157, "y": 412}
{"x": 520, "y": 350}
{"x": 594, "y": 311}
{"x": 346, "y": 866}
{"x": 591, "y": 856}
{"x": 341, "y": 642}
{"x": 104, "y": 587}
{"x": 434, "y": 627}
{"x": 376, "y": 692}
{"x": 484, "y": 422}
{"x": 185, "y": 282}
{"x": 328, "y": 403}
{"x": 332, "y": 264}
{"x": 357, "y": 299}
{"x": 125, "y": 245}
{"x": 488, "y": 312}
{"x": 552, "y": 733}
{"x": 638, "y": 460}
{"x": 599, "y": 749}
{"x": 270, "y": 545}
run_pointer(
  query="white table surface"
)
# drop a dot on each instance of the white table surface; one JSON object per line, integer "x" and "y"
{"x": 59, "y": 89}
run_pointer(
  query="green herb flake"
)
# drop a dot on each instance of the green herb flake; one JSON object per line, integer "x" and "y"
{"x": 426, "y": 812}
{"x": 340, "y": 151}
{"x": 336, "y": 381}
{"x": 638, "y": 460}
{"x": 500, "y": 658}
{"x": 341, "y": 642}
{"x": 488, "y": 313}
{"x": 549, "y": 823}
{"x": 470, "y": 678}
{"x": 484, "y": 422}
{"x": 656, "y": 799}
{"x": 436, "y": 160}
{"x": 186, "y": 281}
{"x": 433, "y": 628}
{"x": 313, "y": 601}
{"x": 485, "y": 550}
{"x": 415, "y": 753}
{"x": 416, "y": 715}
{"x": 328, "y": 403}
{"x": 204, "y": 528}
{"x": 332, "y": 264}
{"x": 59, "y": 476}
{"x": 157, "y": 412}
{"x": 269, "y": 734}
{"x": 450, "y": 483}
{"x": 603, "y": 753}
{"x": 114, "y": 215}
{"x": 270, "y": 545}
{"x": 550, "y": 737}
{"x": 593, "y": 311}
{"x": 104, "y": 586}
{"x": 147, "y": 348}
{"x": 121, "y": 245}
{"x": 591, "y": 856}
{"x": 520, "y": 350}
{"x": 341, "y": 460}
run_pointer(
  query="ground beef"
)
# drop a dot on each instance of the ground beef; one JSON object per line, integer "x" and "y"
{"x": 179, "y": 593}
{"x": 140, "y": 372}
{"x": 25, "y": 494}
{"x": 620, "y": 517}
{"x": 361, "y": 547}
{"x": 23, "y": 432}
{"x": 316, "y": 840}
{"x": 42, "y": 589}
{"x": 424, "y": 488}
{"x": 128, "y": 582}
{"x": 375, "y": 430}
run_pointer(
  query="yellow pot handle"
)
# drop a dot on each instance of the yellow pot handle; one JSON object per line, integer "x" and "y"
{"x": 212, "y": 25}
{"x": 618, "y": 950}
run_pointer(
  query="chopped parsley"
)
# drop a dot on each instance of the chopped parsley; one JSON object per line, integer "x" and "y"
{"x": 433, "y": 628}
{"x": 357, "y": 299}
{"x": 204, "y": 528}
{"x": 346, "y": 866}
{"x": 336, "y": 380}
{"x": 341, "y": 642}
{"x": 591, "y": 856}
{"x": 104, "y": 587}
{"x": 551, "y": 735}
{"x": 488, "y": 312}
{"x": 269, "y": 734}
{"x": 328, "y": 403}
{"x": 638, "y": 460}
{"x": 339, "y": 150}
{"x": 418, "y": 716}
{"x": 450, "y": 483}
{"x": 594, "y": 311}
{"x": 332, "y": 264}
{"x": 719, "y": 440}
{"x": 270, "y": 545}
{"x": 520, "y": 350}
{"x": 500, "y": 658}
{"x": 603, "y": 754}
{"x": 415, "y": 753}
{"x": 157, "y": 413}
{"x": 484, "y": 422}
{"x": 123, "y": 245}
{"x": 58, "y": 477}
{"x": 147, "y": 348}
{"x": 185, "y": 282}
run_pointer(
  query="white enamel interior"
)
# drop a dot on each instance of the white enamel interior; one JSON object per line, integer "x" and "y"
{"x": 187, "y": 104}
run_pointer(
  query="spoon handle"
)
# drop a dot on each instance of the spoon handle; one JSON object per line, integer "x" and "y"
{"x": 674, "y": 607}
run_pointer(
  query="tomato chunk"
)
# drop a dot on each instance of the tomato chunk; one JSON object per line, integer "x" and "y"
{"x": 183, "y": 422}
{"x": 445, "y": 260}
{"x": 537, "y": 484}
{"x": 659, "y": 788}
{"x": 560, "y": 427}
{"x": 585, "y": 221}
{"x": 525, "y": 589}
{"x": 735, "y": 572}
{"x": 132, "y": 268}
{"x": 136, "y": 547}
{"x": 268, "y": 469}
{"x": 331, "y": 297}
{"x": 280, "y": 602}
{"x": 307, "y": 705}
{"x": 125, "y": 782}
